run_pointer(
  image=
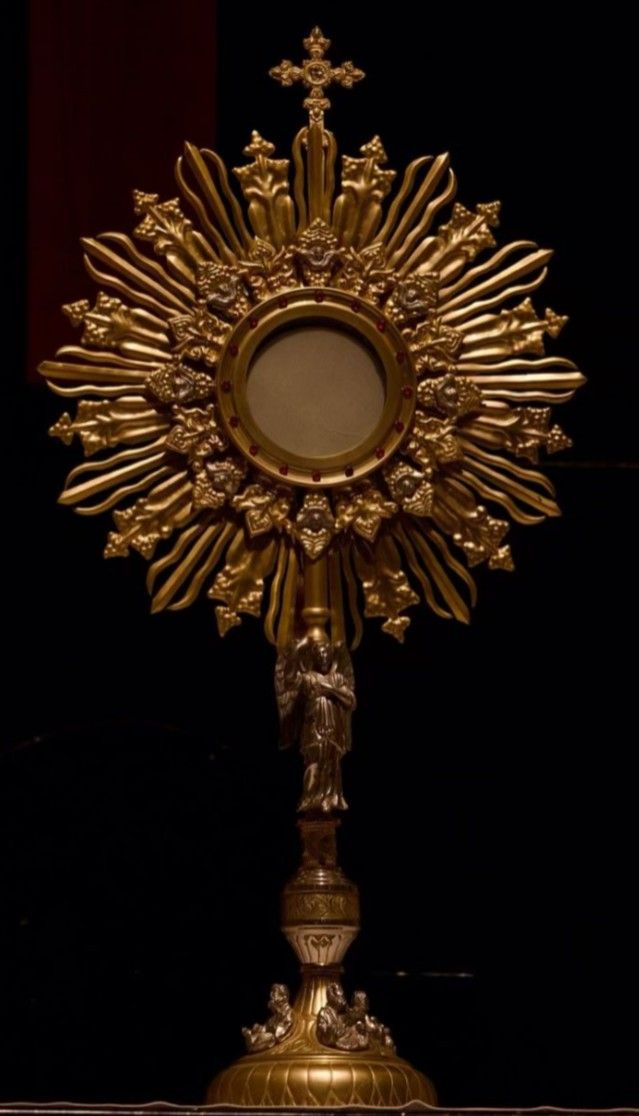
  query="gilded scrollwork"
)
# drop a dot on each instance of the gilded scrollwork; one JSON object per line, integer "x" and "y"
{"x": 433, "y": 442}
{"x": 265, "y": 186}
{"x": 111, "y": 324}
{"x": 435, "y": 346}
{"x": 481, "y": 537}
{"x": 319, "y": 252}
{"x": 365, "y": 272}
{"x": 532, "y": 430}
{"x": 315, "y": 524}
{"x": 362, "y": 509}
{"x": 104, "y": 424}
{"x": 410, "y": 488}
{"x": 387, "y": 590}
{"x": 170, "y": 233}
{"x": 517, "y": 330}
{"x": 177, "y": 382}
{"x": 465, "y": 235}
{"x": 266, "y": 508}
{"x": 222, "y": 290}
{"x": 326, "y": 906}
{"x": 150, "y": 519}
{"x": 413, "y": 299}
{"x": 455, "y": 396}
{"x": 239, "y": 585}
{"x": 199, "y": 336}
{"x": 215, "y": 482}
{"x": 358, "y": 209}
{"x": 269, "y": 270}
{"x": 196, "y": 432}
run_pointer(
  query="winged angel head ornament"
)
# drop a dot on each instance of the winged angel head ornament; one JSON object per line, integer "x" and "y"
{"x": 322, "y": 405}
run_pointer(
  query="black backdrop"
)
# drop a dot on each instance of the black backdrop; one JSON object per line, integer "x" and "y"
{"x": 147, "y": 817}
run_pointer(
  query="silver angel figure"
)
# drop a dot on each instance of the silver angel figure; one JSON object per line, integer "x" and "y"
{"x": 359, "y": 1014}
{"x": 316, "y": 695}
{"x": 262, "y": 1036}
{"x": 338, "y": 1025}
{"x": 349, "y": 1026}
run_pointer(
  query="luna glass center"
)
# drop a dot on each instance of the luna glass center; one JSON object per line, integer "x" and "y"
{"x": 315, "y": 390}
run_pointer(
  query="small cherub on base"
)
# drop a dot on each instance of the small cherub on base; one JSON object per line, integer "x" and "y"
{"x": 347, "y": 1026}
{"x": 262, "y": 1036}
{"x": 377, "y": 1031}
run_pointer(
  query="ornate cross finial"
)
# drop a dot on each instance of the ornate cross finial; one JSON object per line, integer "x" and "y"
{"x": 317, "y": 73}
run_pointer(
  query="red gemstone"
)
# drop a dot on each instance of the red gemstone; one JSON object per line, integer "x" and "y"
{"x": 234, "y": 421}
{"x": 284, "y": 470}
{"x": 253, "y": 322}
{"x": 400, "y": 357}
{"x": 253, "y": 450}
{"x": 356, "y": 306}
{"x": 381, "y": 325}
{"x": 407, "y": 392}
{"x": 317, "y": 476}
{"x": 349, "y": 470}
{"x": 399, "y": 426}
{"x": 226, "y": 385}
{"x": 233, "y": 349}
{"x": 282, "y": 303}
{"x": 319, "y": 297}
{"x": 379, "y": 452}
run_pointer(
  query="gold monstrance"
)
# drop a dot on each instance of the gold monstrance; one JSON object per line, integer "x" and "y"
{"x": 314, "y": 407}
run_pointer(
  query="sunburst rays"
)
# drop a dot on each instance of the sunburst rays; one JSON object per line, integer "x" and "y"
{"x": 145, "y": 373}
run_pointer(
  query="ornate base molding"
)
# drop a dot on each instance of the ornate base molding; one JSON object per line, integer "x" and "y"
{"x": 301, "y": 1071}
{"x": 322, "y": 1051}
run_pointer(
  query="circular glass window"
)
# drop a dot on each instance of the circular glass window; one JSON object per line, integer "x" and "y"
{"x": 315, "y": 390}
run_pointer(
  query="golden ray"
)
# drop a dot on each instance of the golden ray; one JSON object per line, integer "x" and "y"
{"x": 187, "y": 566}
{"x": 275, "y": 597}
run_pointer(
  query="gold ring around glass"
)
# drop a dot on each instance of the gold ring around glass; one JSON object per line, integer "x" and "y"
{"x": 325, "y": 307}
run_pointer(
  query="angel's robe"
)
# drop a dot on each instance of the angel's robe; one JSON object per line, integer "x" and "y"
{"x": 325, "y": 738}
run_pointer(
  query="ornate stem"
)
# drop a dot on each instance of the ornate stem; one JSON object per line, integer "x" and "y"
{"x": 316, "y": 612}
{"x": 322, "y": 1051}
{"x": 315, "y": 154}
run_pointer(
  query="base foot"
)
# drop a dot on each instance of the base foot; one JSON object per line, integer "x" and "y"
{"x": 300, "y": 1071}
{"x": 279, "y": 1079}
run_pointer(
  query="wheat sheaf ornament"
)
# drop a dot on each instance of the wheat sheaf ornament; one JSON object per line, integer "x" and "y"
{"x": 314, "y": 391}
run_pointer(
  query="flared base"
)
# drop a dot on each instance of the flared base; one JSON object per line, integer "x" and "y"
{"x": 302, "y": 1072}
{"x": 328, "y": 1080}
{"x": 278, "y": 1079}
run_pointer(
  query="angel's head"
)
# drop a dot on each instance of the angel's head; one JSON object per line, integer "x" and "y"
{"x": 360, "y": 1002}
{"x": 335, "y": 997}
{"x": 323, "y": 655}
{"x": 278, "y": 999}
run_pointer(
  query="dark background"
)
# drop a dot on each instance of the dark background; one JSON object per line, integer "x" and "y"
{"x": 146, "y": 816}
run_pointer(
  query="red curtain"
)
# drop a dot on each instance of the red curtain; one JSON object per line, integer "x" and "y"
{"x": 114, "y": 89}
